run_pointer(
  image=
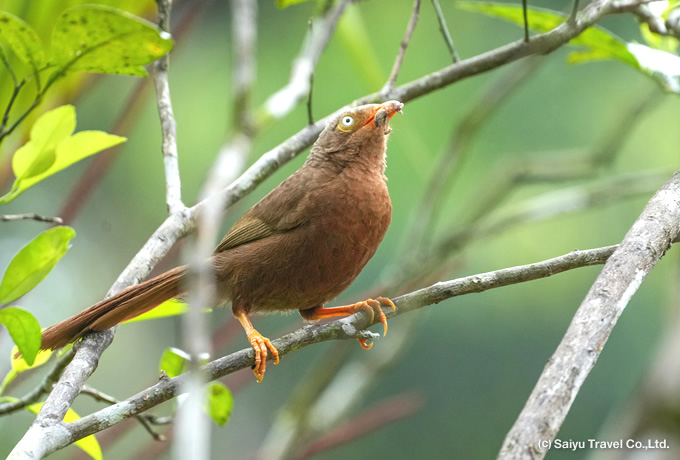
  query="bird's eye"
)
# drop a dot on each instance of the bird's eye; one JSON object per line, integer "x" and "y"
{"x": 347, "y": 120}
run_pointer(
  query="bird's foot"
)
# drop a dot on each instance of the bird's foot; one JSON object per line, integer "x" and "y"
{"x": 370, "y": 306}
{"x": 261, "y": 345}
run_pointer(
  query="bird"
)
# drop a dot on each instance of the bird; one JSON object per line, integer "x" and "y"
{"x": 298, "y": 248}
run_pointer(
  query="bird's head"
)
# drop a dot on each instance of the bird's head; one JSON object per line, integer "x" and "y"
{"x": 357, "y": 134}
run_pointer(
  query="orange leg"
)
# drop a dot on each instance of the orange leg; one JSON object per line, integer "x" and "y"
{"x": 370, "y": 306}
{"x": 259, "y": 343}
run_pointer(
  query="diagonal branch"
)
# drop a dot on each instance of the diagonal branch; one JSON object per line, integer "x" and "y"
{"x": 351, "y": 327}
{"x": 645, "y": 243}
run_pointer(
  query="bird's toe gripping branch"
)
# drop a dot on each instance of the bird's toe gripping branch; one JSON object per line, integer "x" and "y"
{"x": 370, "y": 306}
{"x": 261, "y": 345}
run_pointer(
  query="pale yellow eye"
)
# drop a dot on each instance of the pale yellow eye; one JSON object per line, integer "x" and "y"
{"x": 346, "y": 123}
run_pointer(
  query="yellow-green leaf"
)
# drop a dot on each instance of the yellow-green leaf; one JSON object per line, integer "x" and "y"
{"x": 20, "y": 365}
{"x": 542, "y": 20}
{"x": 602, "y": 44}
{"x": 23, "y": 40}
{"x": 287, "y": 3}
{"x": 24, "y": 330}
{"x": 660, "y": 42}
{"x": 39, "y": 153}
{"x": 173, "y": 362}
{"x": 172, "y": 307}
{"x": 219, "y": 403}
{"x": 98, "y": 38}
{"x": 88, "y": 444}
{"x": 34, "y": 261}
{"x": 52, "y": 147}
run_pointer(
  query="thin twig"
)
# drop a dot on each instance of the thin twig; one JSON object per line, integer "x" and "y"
{"x": 173, "y": 188}
{"x": 402, "y": 48}
{"x": 15, "y": 92}
{"x": 310, "y": 117}
{"x": 525, "y": 14}
{"x": 30, "y": 216}
{"x": 144, "y": 420}
{"x": 284, "y": 100}
{"x": 445, "y": 31}
{"x": 574, "y": 11}
{"x": 645, "y": 243}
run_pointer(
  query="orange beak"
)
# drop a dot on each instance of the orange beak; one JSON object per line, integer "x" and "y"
{"x": 390, "y": 107}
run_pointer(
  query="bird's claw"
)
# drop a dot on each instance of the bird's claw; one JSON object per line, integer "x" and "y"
{"x": 261, "y": 345}
{"x": 375, "y": 306}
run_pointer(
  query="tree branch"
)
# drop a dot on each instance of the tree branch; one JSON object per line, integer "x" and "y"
{"x": 63, "y": 434}
{"x": 645, "y": 243}
{"x": 30, "y": 216}
{"x": 173, "y": 187}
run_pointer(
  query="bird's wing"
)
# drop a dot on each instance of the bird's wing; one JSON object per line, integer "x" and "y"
{"x": 277, "y": 212}
{"x": 245, "y": 230}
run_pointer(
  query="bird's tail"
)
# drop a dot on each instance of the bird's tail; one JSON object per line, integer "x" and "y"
{"x": 126, "y": 304}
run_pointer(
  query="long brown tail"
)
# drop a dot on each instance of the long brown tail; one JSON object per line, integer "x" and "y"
{"x": 128, "y": 303}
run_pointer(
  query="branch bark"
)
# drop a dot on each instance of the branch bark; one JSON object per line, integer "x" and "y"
{"x": 645, "y": 243}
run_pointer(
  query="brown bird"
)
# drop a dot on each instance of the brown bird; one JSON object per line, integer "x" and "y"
{"x": 299, "y": 247}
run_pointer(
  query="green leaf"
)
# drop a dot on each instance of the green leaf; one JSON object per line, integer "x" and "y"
{"x": 88, "y": 444}
{"x": 542, "y": 20}
{"x": 172, "y": 307}
{"x": 24, "y": 330}
{"x": 34, "y": 261}
{"x": 23, "y": 40}
{"x": 53, "y": 147}
{"x": 602, "y": 44}
{"x": 219, "y": 403}
{"x": 98, "y": 38}
{"x": 287, "y": 3}
{"x": 660, "y": 42}
{"x": 173, "y": 362}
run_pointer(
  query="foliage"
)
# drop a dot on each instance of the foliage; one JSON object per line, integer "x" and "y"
{"x": 662, "y": 66}
{"x": 85, "y": 38}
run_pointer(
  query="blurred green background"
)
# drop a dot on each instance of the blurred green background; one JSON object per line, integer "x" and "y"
{"x": 473, "y": 360}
